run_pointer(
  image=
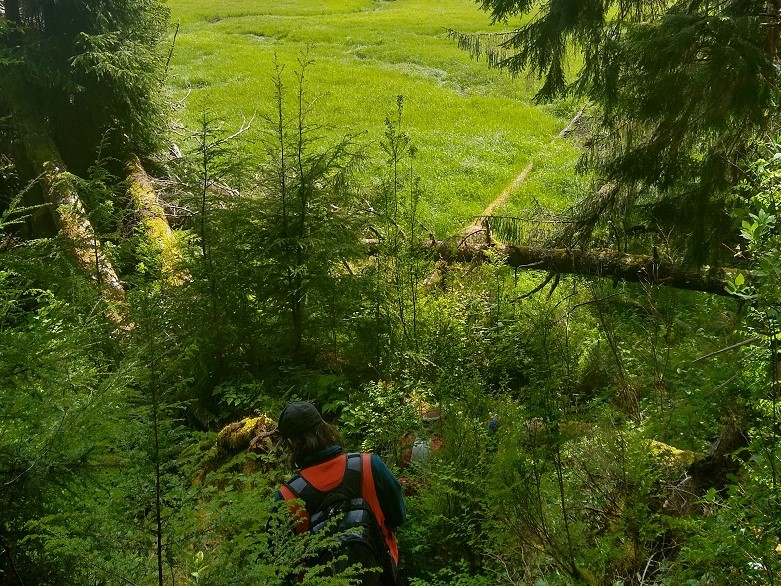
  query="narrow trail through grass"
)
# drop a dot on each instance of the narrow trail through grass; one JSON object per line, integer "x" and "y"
{"x": 500, "y": 200}
{"x": 506, "y": 193}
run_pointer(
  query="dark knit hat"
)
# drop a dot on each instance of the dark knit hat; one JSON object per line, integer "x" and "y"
{"x": 297, "y": 417}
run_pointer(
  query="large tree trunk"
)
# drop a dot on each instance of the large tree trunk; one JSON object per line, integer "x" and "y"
{"x": 595, "y": 263}
{"x": 11, "y": 9}
{"x": 58, "y": 187}
{"x": 154, "y": 222}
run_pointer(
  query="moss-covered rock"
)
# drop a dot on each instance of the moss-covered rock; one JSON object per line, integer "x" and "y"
{"x": 241, "y": 446}
{"x": 672, "y": 456}
{"x": 250, "y": 433}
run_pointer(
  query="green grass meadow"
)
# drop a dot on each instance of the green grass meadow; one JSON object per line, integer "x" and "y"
{"x": 475, "y": 128}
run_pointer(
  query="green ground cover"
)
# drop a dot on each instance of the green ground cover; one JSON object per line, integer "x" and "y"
{"x": 475, "y": 128}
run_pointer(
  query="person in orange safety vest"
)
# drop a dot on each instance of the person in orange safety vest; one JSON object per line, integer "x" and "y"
{"x": 325, "y": 469}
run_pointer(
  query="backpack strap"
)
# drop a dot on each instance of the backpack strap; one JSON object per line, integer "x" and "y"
{"x": 300, "y": 488}
{"x": 351, "y": 485}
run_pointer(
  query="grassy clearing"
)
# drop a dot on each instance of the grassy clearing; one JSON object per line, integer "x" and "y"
{"x": 475, "y": 129}
{"x": 553, "y": 176}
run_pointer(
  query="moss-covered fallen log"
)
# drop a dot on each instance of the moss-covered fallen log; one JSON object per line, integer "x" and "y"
{"x": 154, "y": 222}
{"x": 723, "y": 460}
{"x": 593, "y": 263}
{"x": 73, "y": 222}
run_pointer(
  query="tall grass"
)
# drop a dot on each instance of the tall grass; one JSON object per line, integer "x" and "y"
{"x": 475, "y": 128}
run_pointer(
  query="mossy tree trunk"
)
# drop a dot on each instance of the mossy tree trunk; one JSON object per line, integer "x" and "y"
{"x": 595, "y": 263}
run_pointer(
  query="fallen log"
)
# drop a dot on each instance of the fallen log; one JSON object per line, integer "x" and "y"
{"x": 593, "y": 263}
{"x": 154, "y": 221}
{"x": 723, "y": 459}
{"x": 73, "y": 222}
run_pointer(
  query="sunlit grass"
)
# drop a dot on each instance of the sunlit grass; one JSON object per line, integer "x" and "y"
{"x": 474, "y": 128}
{"x": 553, "y": 175}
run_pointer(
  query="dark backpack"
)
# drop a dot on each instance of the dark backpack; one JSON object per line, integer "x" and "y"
{"x": 344, "y": 514}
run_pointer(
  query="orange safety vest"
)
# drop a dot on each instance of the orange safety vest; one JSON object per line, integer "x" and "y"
{"x": 328, "y": 476}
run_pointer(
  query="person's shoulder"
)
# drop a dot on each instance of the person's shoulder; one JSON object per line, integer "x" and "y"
{"x": 379, "y": 465}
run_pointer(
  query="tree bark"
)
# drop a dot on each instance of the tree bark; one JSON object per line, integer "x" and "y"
{"x": 594, "y": 263}
{"x": 58, "y": 187}
{"x": 724, "y": 458}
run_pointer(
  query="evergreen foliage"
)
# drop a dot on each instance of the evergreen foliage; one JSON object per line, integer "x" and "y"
{"x": 276, "y": 252}
{"x": 309, "y": 216}
{"x": 86, "y": 68}
{"x": 57, "y": 400}
{"x": 399, "y": 262}
{"x": 681, "y": 89}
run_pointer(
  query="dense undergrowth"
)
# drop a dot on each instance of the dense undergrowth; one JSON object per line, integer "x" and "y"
{"x": 593, "y": 432}
{"x": 604, "y": 393}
